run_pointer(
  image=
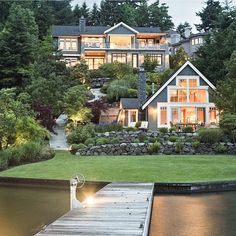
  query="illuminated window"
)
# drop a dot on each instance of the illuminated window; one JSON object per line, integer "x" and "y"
{"x": 198, "y": 95}
{"x": 175, "y": 115}
{"x": 94, "y": 63}
{"x": 163, "y": 116}
{"x": 182, "y": 96}
{"x": 213, "y": 115}
{"x": 183, "y": 83}
{"x": 156, "y": 57}
{"x": 119, "y": 57}
{"x": 70, "y": 61}
{"x": 200, "y": 115}
{"x": 68, "y": 44}
{"x": 133, "y": 116}
{"x": 174, "y": 95}
{"x": 178, "y": 95}
{"x": 192, "y": 83}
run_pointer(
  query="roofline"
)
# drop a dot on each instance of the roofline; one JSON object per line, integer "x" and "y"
{"x": 119, "y": 24}
{"x": 187, "y": 63}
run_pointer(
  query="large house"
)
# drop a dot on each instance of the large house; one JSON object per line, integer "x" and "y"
{"x": 105, "y": 44}
{"x": 185, "y": 99}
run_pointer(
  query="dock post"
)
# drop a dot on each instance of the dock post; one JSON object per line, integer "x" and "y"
{"x": 74, "y": 202}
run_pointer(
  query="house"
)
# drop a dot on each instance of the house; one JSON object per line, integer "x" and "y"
{"x": 190, "y": 43}
{"x": 186, "y": 99}
{"x": 105, "y": 44}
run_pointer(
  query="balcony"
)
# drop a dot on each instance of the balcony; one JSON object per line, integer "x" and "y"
{"x": 137, "y": 46}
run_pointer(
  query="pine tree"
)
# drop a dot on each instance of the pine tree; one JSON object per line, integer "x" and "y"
{"x": 94, "y": 18}
{"x": 77, "y": 14}
{"x": 181, "y": 28}
{"x": 84, "y": 10}
{"x": 18, "y": 46}
{"x": 142, "y": 14}
{"x": 209, "y": 15}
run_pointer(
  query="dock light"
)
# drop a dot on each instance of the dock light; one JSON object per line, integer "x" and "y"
{"x": 90, "y": 200}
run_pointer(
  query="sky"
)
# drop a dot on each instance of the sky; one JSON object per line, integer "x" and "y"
{"x": 180, "y": 10}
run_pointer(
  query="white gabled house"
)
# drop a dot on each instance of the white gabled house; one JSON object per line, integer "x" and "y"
{"x": 185, "y": 99}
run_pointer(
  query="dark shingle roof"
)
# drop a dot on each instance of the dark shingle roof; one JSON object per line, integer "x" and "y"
{"x": 66, "y": 30}
{"x": 129, "y": 103}
{"x": 189, "y": 38}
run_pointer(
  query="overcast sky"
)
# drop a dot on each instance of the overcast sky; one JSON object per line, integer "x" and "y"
{"x": 180, "y": 10}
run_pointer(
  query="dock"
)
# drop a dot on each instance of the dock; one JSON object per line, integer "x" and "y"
{"x": 117, "y": 209}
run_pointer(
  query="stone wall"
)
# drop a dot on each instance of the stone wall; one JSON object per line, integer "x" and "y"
{"x": 167, "y": 148}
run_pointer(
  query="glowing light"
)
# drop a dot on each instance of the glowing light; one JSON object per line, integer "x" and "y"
{"x": 90, "y": 200}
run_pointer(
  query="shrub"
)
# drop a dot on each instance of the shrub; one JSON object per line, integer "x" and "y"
{"x": 90, "y": 141}
{"x": 5, "y": 156}
{"x": 114, "y": 141}
{"x": 172, "y": 129}
{"x": 188, "y": 140}
{"x": 154, "y": 148}
{"x": 196, "y": 144}
{"x": 81, "y": 133}
{"x": 220, "y": 148}
{"x": 108, "y": 128}
{"x": 210, "y": 135}
{"x": 188, "y": 129}
{"x": 132, "y": 93}
{"x": 228, "y": 124}
{"x": 129, "y": 129}
{"x": 178, "y": 147}
{"x": 75, "y": 147}
{"x": 163, "y": 130}
{"x": 102, "y": 141}
{"x": 153, "y": 140}
{"x": 173, "y": 139}
{"x": 138, "y": 124}
{"x": 142, "y": 138}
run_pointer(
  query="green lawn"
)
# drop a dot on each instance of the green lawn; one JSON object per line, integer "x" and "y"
{"x": 144, "y": 168}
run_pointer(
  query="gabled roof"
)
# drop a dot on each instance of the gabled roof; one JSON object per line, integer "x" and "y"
{"x": 121, "y": 24}
{"x": 129, "y": 103}
{"x": 69, "y": 30}
{"x": 187, "y": 63}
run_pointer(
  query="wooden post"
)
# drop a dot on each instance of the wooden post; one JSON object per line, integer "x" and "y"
{"x": 74, "y": 203}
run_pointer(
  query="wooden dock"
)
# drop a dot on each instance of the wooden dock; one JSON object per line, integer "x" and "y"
{"x": 117, "y": 209}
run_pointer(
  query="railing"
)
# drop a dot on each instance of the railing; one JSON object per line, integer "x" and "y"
{"x": 124, "y": 46}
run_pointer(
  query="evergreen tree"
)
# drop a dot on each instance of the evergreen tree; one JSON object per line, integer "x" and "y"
{"x": 159, "y": 16}
{"x": 181, "y": 28}
{"x": 218, "y": 47}
{"x": 177, "y": 60}
{"x": 77, "y": 14}
{"x": 84, "y": 10}
{"x": 94, "y": 18}
{"x": 142, "y": 14}
{"x": 209, "y": 15}
{"x": 18, "y": 44}
{"x": 128, "y": 14}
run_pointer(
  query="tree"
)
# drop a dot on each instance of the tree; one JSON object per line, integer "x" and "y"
{"x": 18, "y": 46}
{"x": 74, "y": 103}
{"x": 142, "y": 14}
{"x": 181, "y": 28}
{"x": 128, "y": 14}
{"x": 209, "y": 15}
{"x": 177, "y": 60}
{"x": 149, "y": 65}
{"x": 84, "y": 10}
{"x": 219, "y": 45}
{"x": 94, "y": 17}
{"x": 81, "y": 72}
{"x": 77, "y": 14}
{"x": 159, "y": 16}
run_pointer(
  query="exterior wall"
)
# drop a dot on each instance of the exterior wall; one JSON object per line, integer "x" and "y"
{"x": 121, "y": 30}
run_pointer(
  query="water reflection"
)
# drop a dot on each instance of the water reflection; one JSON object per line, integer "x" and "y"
{"x": 194, "y": 215}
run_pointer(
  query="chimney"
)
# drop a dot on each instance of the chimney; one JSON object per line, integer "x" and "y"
{"x": 175, "y": 38}
{"x": 141, "y": 86}
{"x": 187, "y": 32}
{"x": 82, "y": 24}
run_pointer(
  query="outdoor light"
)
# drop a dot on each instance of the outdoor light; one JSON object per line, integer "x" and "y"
{"x": 90, "y": 200}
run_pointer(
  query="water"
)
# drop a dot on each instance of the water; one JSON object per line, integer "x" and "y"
{"x": 194, "y": 215}
{"x": 25, "y": 210}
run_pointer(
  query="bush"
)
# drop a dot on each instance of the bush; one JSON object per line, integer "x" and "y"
{"x": 163, "y": 130}
{"x": 173, "y": 139}
{"x": 108, "y": 128}
{"x": 210, "y": 135}
{"x": 220, "y": 148}
{"x": 154, "y": 148}
{"x": 178, "y": 147}
{"x": 129, "y": 129}
{"x": 81, "y": 133}
{"x": 90, "y": 141}
{"x": 114, "y": 141}
{"x": 138, "y": 124}
{"x": 188, "y": 129}
{"x": 5, "y": 156}
{"x": 196, "y": 144}
{"x": 153, "y": 140}
{"x": 142, "y": 138}
{"x": 132, "y": 93}
{"x": 102, "y": 141}
{"x": 172, "y": 129}
{"x": 228, "y": 124}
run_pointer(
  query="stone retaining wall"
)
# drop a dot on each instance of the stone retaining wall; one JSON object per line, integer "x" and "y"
{"x": 166, "y": 148}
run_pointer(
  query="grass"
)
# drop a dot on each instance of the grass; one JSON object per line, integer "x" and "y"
{"x": 129, "y": 168}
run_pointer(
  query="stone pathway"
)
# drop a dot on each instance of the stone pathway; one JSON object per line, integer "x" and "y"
{"x": 58, "y": 140}
{"x": 97, "y": 93}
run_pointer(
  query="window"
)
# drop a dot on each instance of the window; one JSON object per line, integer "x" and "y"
{"x": 163, "y": 116}
{"x": 213, "y": 115}
{"x": 174, "y": 95}
{"x": 183, "y": 83}
{"x": 192, "y": 83}
{"x": 68, "y": 44}
{"x": 135, "y": 60}
{"x": 182, "y": 95}
{"x": 156, "y": 57}
{"x": 70, "y": 61}
{"x": 201, "y": 115}
{"x": 174, "y": 115}
{"x": 94, "y": 63}
{"x": 119, "y": 57}
{"x": 133, "y": 116}
{"x": 178, "y": 95}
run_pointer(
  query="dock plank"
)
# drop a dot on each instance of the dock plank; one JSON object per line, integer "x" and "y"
{"x": 118, "y": 209}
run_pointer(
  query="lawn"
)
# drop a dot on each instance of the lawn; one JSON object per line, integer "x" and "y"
{"x": 130, "y": 168}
